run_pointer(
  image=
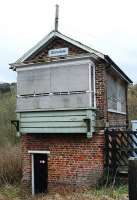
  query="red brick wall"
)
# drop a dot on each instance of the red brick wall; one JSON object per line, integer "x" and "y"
{"x": 101, "y": 101}
{"x": 116, "y": 119}
{"x": 42, "y": 54}
{"x": 74, "y": 160}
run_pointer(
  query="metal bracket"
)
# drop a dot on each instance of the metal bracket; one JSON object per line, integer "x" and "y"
{"x": 16, "y": 124}
{"x": 88, "y": 123}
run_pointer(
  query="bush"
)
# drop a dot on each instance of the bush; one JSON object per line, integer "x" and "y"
{"x": 10, "y": 165}
{"x": 7, "y": 113}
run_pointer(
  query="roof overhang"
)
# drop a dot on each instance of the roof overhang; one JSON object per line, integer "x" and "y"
{"x": 62, "y": 36}
{"x": 117, "y": 69}
{"x": 89, "y": 57}
{"x": 90, "y": 52}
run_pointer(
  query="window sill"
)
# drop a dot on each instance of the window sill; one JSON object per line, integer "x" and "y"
{"x": 117, "y": 112}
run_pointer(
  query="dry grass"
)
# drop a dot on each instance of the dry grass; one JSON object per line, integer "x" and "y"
{"x": 10, "y": 165}
{"x": 9, "y": 192}
{"x": 119, "y": 193}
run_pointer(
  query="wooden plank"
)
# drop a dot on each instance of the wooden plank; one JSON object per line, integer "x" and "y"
{"x": 54, "y": 113}
{"x": 31, "y": 81}
{"x": 53, "y": 119}
{"x": 63, "y": 122}
{"x": 53, "y": 130}
{"x": 52, "y": 124}
{"x": 56, "y": 79}
{"x": 70, "y": 78}
{"x": 52, "y": 102}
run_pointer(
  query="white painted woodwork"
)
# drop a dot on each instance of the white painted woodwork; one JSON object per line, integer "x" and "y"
{"x": 53, "y": 101}
{"x": 71, "y": 78}
{"x": 39, "y": 152}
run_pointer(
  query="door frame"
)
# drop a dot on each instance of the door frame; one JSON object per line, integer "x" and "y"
{"x": 32, "y": 152}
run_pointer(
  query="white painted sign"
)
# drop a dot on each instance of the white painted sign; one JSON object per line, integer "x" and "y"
{"x": 58, "y": 52}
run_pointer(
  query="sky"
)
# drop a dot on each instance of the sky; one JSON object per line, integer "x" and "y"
{"x": 109, "y": 26}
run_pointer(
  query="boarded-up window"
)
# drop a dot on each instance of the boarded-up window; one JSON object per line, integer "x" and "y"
{"x": 54, "y": 79}
{"x": 54, "y": 87}
{"x": 116, "y": 94}
{"x": 71, "y": 78}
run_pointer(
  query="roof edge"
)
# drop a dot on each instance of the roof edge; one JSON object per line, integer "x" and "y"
{"x": 13, "y": 66}
{"x": 62, "y": 36}
{"x": 35, "y": 47}
{"x": 118, "y": 69}
{"x": 74, "y": 42}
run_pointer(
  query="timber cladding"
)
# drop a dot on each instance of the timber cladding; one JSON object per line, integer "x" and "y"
{"x": 74, "y": 161}
{"x": 56, "y": 121}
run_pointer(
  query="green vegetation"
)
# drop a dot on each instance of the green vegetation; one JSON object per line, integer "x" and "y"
{"x": 9, "y": 192}
{"x": 132, "y": 102}
{"x": 7, "y": 113}
{"x": 10, "y": 165}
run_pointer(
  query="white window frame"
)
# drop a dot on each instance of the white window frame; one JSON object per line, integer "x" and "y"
{"x": 116, "y": 99}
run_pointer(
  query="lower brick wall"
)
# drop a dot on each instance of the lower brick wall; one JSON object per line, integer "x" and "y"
{"x": 74, "y": 161}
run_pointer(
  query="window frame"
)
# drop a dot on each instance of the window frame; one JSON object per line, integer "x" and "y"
{"x": 118, "y": 101}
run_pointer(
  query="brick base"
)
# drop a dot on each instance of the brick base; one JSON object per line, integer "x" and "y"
{"x": 116, "y": 119}
{"x": 74, "y": 161}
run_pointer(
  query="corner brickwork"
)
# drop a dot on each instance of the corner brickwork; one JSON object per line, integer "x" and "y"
{"x": 101, "y": 101}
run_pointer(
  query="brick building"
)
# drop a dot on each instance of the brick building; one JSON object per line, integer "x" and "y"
{"x": 67, "y": 94}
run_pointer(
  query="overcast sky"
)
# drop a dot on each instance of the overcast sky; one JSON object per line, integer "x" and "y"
{"x": 109, "y": 26}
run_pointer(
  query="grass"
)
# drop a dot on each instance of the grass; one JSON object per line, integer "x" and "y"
{"x": 10, "y": 165}
{"x": 9, "y": 192}
{"x": 116, "y": 193}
